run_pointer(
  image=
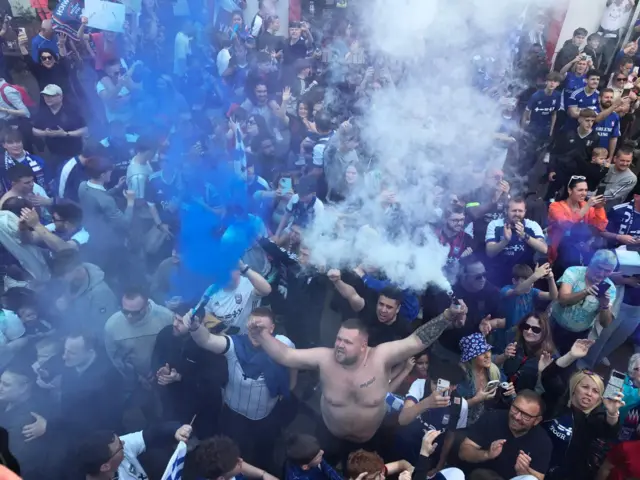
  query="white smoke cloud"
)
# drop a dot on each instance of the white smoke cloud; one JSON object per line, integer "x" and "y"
{"x": 432, "y": 128}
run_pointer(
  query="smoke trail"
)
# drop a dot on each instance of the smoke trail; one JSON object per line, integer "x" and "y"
{"x": 430, "y": 127}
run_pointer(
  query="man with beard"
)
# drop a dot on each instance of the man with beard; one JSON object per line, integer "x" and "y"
{"x": 608, "y": 128}
{"x": 510, "y": 443}
{"x": 354, "y": 376}
{"x": 189, "y": 377}
{"x": 512, "y": 240}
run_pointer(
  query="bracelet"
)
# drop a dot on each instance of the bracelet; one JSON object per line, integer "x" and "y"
{"x": 245, "y": 270}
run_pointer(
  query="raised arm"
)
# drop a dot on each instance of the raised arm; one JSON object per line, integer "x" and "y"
{"x": 300, "y": 359}
{"x": 356, "y": 302}
{"x": 203, "y": 338}
{"x": 424, "y": 336}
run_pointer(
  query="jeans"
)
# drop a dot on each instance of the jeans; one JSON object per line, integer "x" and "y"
{"x": 622, "y": 327}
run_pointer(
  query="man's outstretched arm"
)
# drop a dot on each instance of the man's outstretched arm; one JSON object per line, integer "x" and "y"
{"x": 300, "y": 359}
{"x": 424, "y": 336}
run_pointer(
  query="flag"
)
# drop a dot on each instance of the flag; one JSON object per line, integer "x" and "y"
{"x": 174, "y": 468}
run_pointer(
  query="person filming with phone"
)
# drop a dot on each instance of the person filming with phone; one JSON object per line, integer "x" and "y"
{"x": 484, "y": 383}
{"x": 432, "y": 404}
{"x": 585, "y": 295}
{"x": 571, "y": 209}
{"x": 580, "y": 409}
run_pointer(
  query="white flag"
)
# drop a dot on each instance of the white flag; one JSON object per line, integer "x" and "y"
{"x": 174, "y": 468}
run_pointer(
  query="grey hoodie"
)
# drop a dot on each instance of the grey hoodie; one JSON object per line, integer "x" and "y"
{"x": 130, "y": 344}
{"x": 94, "y": 305}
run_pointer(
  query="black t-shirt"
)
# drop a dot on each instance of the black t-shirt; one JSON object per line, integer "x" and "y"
{"x": 494, "y": 425}
{"x": 69, "y": 120}
{"x": 291, "y": 53}
{"x": 480, "y": 304}
{"x": 382, "y": 333}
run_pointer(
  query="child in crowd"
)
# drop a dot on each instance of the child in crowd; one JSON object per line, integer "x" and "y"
{"x": 597, "y": 169}
{"x": 34, "y": 326}
{"x": 305, "y": 460}
{"x": 519, "y": 298}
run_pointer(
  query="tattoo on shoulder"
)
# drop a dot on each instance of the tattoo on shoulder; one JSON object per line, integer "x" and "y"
{"x": 430, "y": 331}
{"x": 368, "y": 382}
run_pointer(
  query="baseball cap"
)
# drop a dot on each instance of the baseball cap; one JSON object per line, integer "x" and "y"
{"x": 51, "y": 90}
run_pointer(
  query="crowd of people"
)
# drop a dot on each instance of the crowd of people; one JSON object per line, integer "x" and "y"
{"x": 131, "y": 321}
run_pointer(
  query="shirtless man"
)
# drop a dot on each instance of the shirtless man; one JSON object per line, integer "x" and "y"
{"x": 355, "y": 377}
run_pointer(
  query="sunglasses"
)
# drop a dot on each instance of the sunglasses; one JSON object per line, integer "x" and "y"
{"x": 575, "y": 177}
{"x": 45, "y": 58}
{"x": 480, "y": 276}
{"x": 533, "y": 328}
{"x": 133, "y": 313}
{"x": 621, "y": 79}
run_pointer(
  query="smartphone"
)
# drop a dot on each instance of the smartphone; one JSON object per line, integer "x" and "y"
{"x": 602, "y": 288}
{"x": 443, "y": 387}
{"x": 625, "y": 92}
{"x": 600, "y": 190}
{"x": 22, "y": 31}
{"x": 616, "y": 382}
{"x": 635, "y": 71}
{"x": 286, "y": 185}
{"x": 492, "y": 385}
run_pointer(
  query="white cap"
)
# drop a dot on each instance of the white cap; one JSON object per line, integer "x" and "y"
{"x": 51, "y": 90}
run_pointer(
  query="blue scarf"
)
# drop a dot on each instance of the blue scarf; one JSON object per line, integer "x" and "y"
{"x": 255, "y": 362}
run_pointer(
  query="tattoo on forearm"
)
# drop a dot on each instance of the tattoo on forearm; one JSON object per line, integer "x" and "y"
{"x": 430, "y": 331}
{"x": 368, "y": 382}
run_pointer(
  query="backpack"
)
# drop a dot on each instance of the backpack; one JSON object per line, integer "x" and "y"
{"x": 26, "y": 99}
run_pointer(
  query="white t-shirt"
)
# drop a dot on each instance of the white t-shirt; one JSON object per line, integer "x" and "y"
{"x": 182, "y": 49}
{"x": 416, "y": 393}
{"x": 80, "y": 237}
{"x": 130, "y": 468}
{"x": 233, "y": 307}
{"x": 616, "y": 15}
{"x": 222, "y": 60}
{"x": 137, "y": 176}
{"x": 124, "y": 112}
{"x": 246, "y": 396}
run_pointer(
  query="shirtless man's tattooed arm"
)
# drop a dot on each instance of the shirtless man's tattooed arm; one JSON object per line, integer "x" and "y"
{"x": 424, "y": 336}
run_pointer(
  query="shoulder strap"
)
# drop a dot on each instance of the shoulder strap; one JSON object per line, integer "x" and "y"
{"x": 4, "y": 96}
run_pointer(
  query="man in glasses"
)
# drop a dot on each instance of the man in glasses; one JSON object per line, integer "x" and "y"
{"x": 103, "y": 454}
{"x": 482, "y": 300}
{"x": 510, "y": 442}
{"x": 452, "y": 234}
{"x": 130, "y": 336}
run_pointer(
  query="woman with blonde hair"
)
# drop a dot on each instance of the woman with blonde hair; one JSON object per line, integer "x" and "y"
{"x": 577, "y": 417}
{"x": 479, "y": 370}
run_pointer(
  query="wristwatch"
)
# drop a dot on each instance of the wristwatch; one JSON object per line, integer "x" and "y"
{"x": 245, "y": 270}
